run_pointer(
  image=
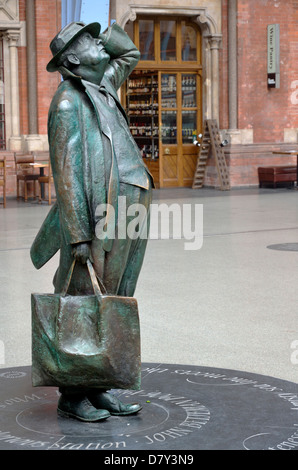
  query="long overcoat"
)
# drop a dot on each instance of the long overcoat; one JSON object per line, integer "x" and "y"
{"x": 78, "y": 163}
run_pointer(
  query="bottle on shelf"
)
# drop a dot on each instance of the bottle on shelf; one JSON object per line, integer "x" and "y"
{"x": 155, "y": 154}
{"x": 142, "y": 110}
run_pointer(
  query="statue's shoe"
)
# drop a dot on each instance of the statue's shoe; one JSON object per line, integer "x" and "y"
{"x": 79, "y": 407}
{"x": 107, "y": 401}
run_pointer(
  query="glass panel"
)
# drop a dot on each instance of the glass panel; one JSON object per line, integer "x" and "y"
{"x": 189, "y": 95}
{"x": 189, "y": 126}
{"x": 146, "y": 38}
{"x": 168, "y": 91}
{"x": 189, "y": 42}
{"x": 169, "y": 127}
{"x": 168, "y": 40}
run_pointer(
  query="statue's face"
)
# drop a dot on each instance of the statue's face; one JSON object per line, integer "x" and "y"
{"x": 91, "y": 53}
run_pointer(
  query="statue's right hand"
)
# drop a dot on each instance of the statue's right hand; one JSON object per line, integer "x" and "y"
{"x": 102, "y": 37}
{"x": 81, "y": 252}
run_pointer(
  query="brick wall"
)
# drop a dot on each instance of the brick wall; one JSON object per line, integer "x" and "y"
{"x": 243, "y": 162}
{"x": 267, "y": 110}
{"x": 48, "y": 21}
{"x": 223, "y": 71}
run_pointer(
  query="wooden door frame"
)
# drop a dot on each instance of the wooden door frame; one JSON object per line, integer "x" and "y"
{"x": 179, "y": 108}
{"x": 177, "y": 67}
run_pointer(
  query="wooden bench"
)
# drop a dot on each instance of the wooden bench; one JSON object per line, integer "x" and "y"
{"x": 277, "y": 174}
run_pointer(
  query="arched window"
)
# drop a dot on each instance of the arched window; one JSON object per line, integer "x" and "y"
{"x": 166, "y": 41}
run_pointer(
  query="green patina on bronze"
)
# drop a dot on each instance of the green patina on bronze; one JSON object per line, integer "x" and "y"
{"x": 85, "y": 341}
{"x": 82, "y": 338}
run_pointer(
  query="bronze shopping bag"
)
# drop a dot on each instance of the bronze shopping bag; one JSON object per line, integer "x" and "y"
{"x": 85, "y": 341}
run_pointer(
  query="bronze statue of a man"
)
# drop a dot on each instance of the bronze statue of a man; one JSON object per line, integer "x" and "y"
{"x": 94, "y": 160}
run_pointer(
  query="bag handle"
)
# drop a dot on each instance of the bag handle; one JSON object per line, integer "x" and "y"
{"x": 95, "y": 284}
{"x": 93, "y": 277}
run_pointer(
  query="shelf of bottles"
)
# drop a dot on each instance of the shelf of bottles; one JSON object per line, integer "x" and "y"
{"x": 142, "y": 110}
{"x": 189, "y": 107}
{"x": 169, "y": 108}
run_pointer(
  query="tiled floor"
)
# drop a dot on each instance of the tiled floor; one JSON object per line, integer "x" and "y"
{"x": 231, "y": 304}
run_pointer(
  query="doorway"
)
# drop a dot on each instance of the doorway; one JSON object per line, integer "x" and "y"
{"x": 163, "y": 98}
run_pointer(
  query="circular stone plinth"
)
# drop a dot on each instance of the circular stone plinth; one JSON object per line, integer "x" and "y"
{"x": 184, "y": 408}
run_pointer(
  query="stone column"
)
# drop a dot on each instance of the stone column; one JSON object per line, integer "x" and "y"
{"x": 31, "y": 67}
{"x": 214, "y": 42}
{"x": 232, "y": 64}
{"x": 15, "y": 139}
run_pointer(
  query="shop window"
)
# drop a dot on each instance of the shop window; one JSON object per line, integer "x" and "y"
{"x": 189, "y": 101}
{"x": 169, "y": 127}
{"x": 189, "y": 91}
{"x": 168, "y": 40}
{"x": 168, "y": 91}
{"x": 189, "y": 42}
{"x": 146, "y": 39}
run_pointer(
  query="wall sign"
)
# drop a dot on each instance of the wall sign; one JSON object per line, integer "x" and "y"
{"x": 273, "y": 72}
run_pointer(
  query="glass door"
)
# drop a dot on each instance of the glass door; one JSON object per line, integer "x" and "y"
{"x": 168, "y": 132}
{"x": 179, "y": 121}
{"x": 191, "y": 124}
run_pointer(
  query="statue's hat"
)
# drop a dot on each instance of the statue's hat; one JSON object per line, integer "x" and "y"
{"x": 66, "y": 36}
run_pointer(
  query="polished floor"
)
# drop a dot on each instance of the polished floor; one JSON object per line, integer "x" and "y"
{"x": 230, "y": 303}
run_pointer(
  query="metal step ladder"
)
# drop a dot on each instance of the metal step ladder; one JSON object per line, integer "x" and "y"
{"x": 211, "y": 139}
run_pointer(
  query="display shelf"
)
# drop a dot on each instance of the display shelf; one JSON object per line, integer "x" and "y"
{"x": 163, "y": 111}
{"x": 142, "y": 111}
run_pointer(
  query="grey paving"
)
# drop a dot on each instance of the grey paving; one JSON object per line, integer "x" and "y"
{"x": 231, "y": 304}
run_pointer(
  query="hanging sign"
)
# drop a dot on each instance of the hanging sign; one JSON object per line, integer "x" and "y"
{"x": 273, "y": 72}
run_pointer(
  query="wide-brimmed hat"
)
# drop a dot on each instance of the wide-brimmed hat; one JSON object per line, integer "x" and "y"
{"x": 66, "y": 36}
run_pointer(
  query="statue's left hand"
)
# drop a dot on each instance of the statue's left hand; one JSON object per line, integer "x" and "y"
{"x": 81, "y": 252}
